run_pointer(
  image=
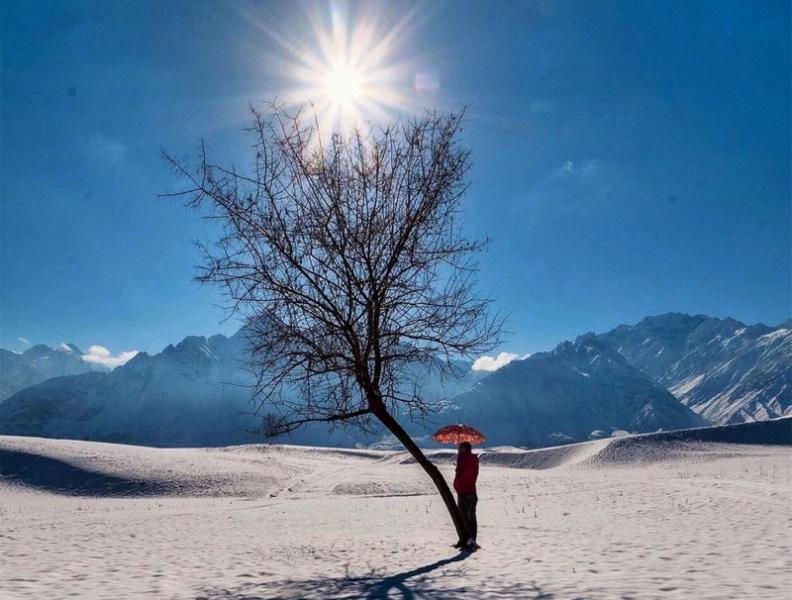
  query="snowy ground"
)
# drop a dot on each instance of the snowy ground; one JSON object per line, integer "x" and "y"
{"x": 647, "y": 518}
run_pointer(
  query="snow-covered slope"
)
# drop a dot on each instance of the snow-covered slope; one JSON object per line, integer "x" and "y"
{"x": 724, "y": 370}
{"x": 581, "y": 390}
{"x": 637, "y": 517}
{"x": 38, "y": 363}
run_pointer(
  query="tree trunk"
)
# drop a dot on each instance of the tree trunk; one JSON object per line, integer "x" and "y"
{"x": 379, "y": 410}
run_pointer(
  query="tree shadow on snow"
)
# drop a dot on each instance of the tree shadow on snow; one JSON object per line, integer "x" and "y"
{"x": 53, "y": 475}
{"x": 416, "y": 584}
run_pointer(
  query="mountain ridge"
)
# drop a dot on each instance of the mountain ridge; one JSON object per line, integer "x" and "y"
{"x": 38, "y": 363}
{"x": 636, "y": 378}
{"x": 582, "y": 389}
{"x": 723, "y": 369}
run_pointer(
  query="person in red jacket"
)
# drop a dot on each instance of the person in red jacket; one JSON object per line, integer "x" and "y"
{"x": 465, "y": 485}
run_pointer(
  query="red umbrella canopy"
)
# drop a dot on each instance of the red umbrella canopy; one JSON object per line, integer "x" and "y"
{"x": 456, "y": 434}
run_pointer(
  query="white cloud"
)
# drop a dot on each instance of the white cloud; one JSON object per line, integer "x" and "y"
{"x": 102, "y": 356}
{"x": 24, "y": 341}
{"x": 489, "y": 363}
{"x": 99, "y": 351}
{"x": 572, "y": 169}
{"x": 64, "y": 347}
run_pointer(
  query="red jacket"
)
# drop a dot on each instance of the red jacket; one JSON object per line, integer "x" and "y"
{"x": 466, "y": 474}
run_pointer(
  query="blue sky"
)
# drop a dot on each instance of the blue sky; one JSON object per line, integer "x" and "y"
{"x": 630, "y": 158}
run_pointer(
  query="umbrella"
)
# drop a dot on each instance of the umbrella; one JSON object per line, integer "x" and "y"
{"x": 456, "y": 434}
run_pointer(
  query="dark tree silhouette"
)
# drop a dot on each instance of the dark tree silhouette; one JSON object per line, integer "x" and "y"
{"x": 345, "y": 257}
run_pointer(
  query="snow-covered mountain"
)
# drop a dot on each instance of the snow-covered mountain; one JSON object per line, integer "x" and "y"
{"x": 724, "y": 370}
{"x": 196, "y": 393}
{"x": 38, "y": 363}
{"x": 149, "y": 400}
{"x": 581, "y": 390}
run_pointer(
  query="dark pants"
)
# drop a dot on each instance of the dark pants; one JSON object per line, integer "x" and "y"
{"x": 467, "y": 505}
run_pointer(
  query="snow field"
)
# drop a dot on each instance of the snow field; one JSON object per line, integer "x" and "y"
{"x": 670, "y": 520}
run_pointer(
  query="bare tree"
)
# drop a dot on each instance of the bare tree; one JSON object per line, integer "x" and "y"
{"x": 345, "y": 258}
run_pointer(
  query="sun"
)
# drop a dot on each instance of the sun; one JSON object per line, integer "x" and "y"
{"x": 352, "y": 70}
{"x": 344, "y": 87}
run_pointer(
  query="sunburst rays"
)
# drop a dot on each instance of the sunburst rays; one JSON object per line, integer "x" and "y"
{"x": 352, "y": 69}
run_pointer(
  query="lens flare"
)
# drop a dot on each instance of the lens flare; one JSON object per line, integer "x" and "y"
{"x": 351, "y": 70}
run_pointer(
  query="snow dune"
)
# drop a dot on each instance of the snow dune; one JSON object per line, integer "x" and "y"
{"x": 688, "y": 514}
